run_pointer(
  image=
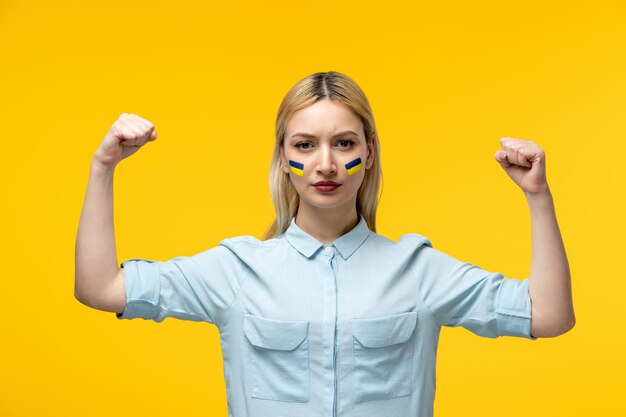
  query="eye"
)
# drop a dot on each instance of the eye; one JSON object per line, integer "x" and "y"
{"x": 301, "y": 145}
{"x": 347, "y": 142}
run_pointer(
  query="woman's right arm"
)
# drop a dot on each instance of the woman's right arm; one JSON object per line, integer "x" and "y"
{"x": 99, "y": 282}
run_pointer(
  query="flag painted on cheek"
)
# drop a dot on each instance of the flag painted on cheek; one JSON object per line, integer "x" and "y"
{"x": 354, "y": 166}
{"x": 296, "y": 167}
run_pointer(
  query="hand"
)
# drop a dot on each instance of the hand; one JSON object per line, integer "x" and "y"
{"x": 128, "y": 133}
{"x": 525, "y": 162}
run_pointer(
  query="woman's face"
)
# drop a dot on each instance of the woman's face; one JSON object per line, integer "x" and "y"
{"x": 324, "y": 137}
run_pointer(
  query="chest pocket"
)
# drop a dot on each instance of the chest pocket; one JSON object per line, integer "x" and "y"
{"x": 383, "y": 356}
{"x": 279, "y": 358}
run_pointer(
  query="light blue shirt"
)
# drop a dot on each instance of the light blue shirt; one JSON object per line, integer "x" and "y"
{"x": 346, "y": 329}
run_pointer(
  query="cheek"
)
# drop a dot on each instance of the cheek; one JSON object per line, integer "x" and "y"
{"x": 296, "y": 167}
{"x": 354, "y": 166}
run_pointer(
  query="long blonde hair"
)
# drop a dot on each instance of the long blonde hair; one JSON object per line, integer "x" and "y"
{"x": 338, "y": 87}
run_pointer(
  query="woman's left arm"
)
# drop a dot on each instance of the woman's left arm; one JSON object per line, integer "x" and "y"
{"x": 550, "y": 285}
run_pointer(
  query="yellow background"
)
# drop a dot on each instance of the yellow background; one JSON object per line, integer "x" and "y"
{"x": 446, "y": 80}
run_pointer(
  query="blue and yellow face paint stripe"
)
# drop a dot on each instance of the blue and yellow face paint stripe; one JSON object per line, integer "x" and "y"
{"x": 354, "y": 166}
{"x": 296, "y": 167}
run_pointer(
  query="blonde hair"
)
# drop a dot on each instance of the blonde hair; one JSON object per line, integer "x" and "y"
{"x": 338, "y": 87}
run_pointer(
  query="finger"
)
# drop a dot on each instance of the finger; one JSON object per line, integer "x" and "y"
{"x": 523, "y": 161}
{"x": 501, "y": 157}
{"x": 132, "y": 126}
{"x": 130, "y": 133}
{"x": 146, "y": 126}
{"x": 126, "y": 136}
{"x": 142, "y": 122}
{"x": 512, "y": 150}
{"x": 532, "y": 153}
{"x": 507, "y": 141}
{"x": 146, "y": 129}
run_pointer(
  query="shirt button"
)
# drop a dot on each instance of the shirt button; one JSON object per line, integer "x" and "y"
{"x": 328, "y": 249}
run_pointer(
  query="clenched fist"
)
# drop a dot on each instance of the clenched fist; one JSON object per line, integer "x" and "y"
{"x": 525, "y": 162}
{"x": 129, "y": 133}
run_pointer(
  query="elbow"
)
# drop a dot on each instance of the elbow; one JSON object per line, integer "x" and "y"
{"x": 81, "y": 295}
{"x": 564, "y": 327}
{"x": 80, "y": 298}
{"x": 553, "y": 328}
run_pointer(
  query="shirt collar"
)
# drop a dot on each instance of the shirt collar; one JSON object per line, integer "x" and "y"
{"x": 345, "y": 244}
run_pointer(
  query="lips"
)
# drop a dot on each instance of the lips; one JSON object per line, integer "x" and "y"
{"x": 326, "y": 186}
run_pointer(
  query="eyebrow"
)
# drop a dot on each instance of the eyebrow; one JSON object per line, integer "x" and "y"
{"x": 308, "y": 135}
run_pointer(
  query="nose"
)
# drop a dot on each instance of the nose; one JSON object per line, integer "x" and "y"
{"x": 326, "y": 165}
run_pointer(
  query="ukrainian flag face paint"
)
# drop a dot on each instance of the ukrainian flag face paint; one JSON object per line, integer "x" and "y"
{"x": 296, "y": 167}
{"x": 354, "y": 166}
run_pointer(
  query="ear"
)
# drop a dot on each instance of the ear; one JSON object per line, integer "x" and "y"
{"x": 370, "y": 156}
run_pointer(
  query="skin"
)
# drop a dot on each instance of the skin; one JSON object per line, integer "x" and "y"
{"x": 550, "y": 286}
{"x": 326, "y": 215}
{"x": 99, "y": 282}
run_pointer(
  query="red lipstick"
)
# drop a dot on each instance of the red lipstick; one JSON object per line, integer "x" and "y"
{"x": 326, "y": 186}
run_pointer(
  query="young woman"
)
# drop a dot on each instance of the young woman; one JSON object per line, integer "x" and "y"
{"x": 323, "y": 316}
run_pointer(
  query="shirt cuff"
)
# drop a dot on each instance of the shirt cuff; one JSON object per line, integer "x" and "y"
{"x": 513, "y": 308}
{"x": 142, "y": 285}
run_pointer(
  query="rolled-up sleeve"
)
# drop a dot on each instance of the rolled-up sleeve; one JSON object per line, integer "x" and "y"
{"x": 463, "y": 294}
{"x": 195, "y": 288}
{"x": 141, "y": 282}
{"x": 513, "y": 308}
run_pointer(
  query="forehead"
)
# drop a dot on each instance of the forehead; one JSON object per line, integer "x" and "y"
{"x": 323, "y": 118}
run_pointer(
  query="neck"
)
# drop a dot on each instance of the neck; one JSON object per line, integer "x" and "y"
{"x": 326, "y": 225}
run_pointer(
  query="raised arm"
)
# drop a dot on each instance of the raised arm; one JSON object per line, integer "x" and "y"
{"x": 549, "y": 282}
{"x": 99, "y": 282}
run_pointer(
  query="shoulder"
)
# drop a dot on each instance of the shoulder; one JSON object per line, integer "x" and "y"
{"x": 249, "y": 243}
{"x": 406, "y": 241}
{"x": 405, "y": 249}
{"x": 414, "y": 249}
{"x": 234, "y": 253}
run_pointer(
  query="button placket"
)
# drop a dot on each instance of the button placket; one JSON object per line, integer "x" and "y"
{"x": 330, "y": 314}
